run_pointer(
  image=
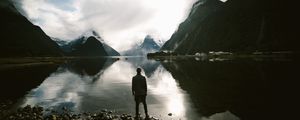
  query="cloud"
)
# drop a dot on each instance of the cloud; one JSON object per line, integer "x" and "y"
{"x": 121, "y": 23}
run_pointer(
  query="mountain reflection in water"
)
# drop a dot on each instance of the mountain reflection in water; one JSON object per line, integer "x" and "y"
{"x": 77, "y": 86}
{"x": 189, "y": 89}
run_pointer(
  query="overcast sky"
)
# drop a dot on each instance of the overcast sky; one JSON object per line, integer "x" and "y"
{"x": 121, "y": 23}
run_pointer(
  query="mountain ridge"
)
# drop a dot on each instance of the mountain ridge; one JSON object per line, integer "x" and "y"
{"x": 69, "y": 46}
{"x": 20, "y": 38}
{"x": 236, "y": 26}
{"x": 148, "y": 46}
{"x": 91, "y": 47}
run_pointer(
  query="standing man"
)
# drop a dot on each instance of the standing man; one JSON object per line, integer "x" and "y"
{"x": 139, "y": 90}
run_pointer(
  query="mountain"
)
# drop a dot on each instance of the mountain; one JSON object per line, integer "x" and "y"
{"x": 20, "y": 38}
{"x": 60, "y": 42}
{"x": 68, "y": 47}
{"x": 237, "y": 26}
{"x": 91, "y": 47}
{"x": 148, "y": 46}
{"x": 110, "y": 51}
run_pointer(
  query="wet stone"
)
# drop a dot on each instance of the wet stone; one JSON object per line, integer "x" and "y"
{"x": 38, "y": 113}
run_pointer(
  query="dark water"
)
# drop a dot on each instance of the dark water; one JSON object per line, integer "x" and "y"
{"x": 188, "y": 88}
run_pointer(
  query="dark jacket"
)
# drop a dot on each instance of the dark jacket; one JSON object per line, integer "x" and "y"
{"x": 139, "y": 85}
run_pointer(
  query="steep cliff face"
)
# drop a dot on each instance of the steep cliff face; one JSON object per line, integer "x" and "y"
{"x": 91, "y": 47}
{"x": 110, "y": 51}
{"x": 237, "y": 26}
{"x": 19, "y": 37}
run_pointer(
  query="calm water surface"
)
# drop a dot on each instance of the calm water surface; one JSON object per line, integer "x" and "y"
{"x": 189, "y": 89}
{"x": 93, "y": 85}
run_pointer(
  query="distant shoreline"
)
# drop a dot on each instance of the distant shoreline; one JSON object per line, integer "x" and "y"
{"x": 225, "y": 55}
{"x": 17, "y": 62}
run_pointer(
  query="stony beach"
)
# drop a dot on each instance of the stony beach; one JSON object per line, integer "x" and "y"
{"x": 39, "y": 113}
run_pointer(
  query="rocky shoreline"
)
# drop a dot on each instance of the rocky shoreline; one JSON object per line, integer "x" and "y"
{"x": 39, "y": 113}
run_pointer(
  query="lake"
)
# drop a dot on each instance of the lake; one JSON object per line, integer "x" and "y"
{"x": 190, "y": 89}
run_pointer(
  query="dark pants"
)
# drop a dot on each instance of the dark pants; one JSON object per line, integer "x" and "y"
{"x": 138, "y": 100}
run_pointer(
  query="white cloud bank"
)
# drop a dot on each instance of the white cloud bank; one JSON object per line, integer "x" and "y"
{"x": 122, "y": 23}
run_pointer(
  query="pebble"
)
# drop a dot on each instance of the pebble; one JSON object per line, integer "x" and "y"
{"x": 38, "y": 113}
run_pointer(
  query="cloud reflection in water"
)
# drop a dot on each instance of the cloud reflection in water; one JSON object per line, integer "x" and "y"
{"x": 60, "y": 88}
{"x": 112, "y": 90}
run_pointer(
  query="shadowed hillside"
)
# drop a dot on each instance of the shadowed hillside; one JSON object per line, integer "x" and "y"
{"x": 237, "y": 26}
{"x": 19, "y": 37}
{"x": 91, "y": 47}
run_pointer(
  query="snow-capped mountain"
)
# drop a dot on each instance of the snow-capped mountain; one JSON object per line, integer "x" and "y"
{"x": 74, "y": 44}
{"x": 148, "y": 46}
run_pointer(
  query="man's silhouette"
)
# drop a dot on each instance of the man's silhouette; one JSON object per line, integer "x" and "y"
{"x": 139, "y": 90}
